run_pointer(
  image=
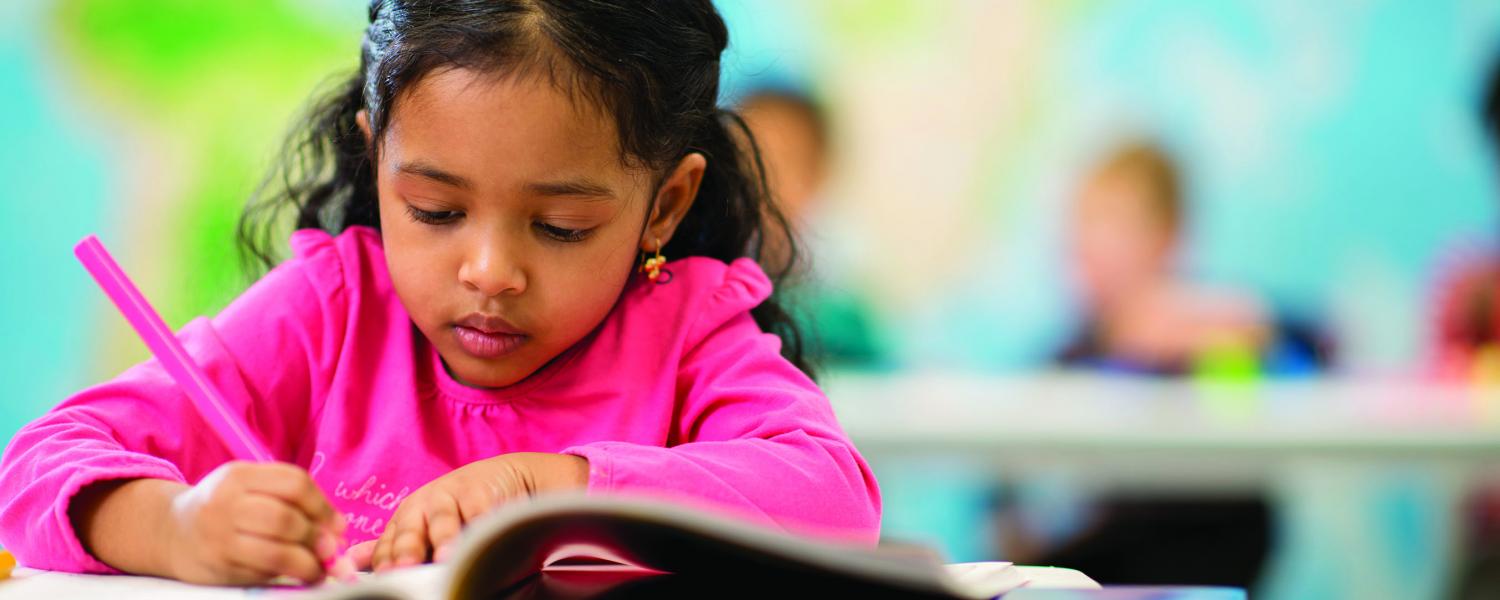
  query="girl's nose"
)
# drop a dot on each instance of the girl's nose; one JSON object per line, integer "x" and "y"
{"x": 493, "y": 270}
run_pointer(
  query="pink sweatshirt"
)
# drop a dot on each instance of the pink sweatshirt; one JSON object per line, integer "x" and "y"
{"x": 678, "y": 393}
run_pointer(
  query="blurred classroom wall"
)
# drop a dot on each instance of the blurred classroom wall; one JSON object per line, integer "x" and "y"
{"x": 1332, "y": 152}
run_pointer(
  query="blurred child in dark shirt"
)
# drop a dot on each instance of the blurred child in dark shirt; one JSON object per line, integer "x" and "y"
{"x": 1141, "y": 315}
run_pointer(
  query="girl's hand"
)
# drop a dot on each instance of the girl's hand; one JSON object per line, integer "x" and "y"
{"x": 430, "y": 519}
{"x": 248, "y": 523}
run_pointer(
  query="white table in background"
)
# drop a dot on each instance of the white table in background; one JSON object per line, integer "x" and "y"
{"x": 1368, "y": 476}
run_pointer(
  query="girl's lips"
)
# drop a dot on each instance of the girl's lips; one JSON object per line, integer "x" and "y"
{"x": 487, "y": 345}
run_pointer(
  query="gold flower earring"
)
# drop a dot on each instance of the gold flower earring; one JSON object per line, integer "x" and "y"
{"x": 652, "y": 265}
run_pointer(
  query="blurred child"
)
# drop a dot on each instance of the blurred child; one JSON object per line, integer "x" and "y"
{"x": 1141, "y": 315}
{"x": 1465, "y": 344}
{"x": 792, "y": 131}
{"x": 1467, "y": 349}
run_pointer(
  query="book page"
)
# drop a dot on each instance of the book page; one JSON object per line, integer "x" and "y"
{"x": 422, "y": 582}
{"x": 984, "y": 579}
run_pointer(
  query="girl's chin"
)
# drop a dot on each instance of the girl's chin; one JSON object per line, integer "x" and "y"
{"x": 477, "y": 373}
{"x": 486, "y": 378}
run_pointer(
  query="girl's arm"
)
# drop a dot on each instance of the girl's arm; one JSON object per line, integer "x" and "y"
{"x": 758, "y": 438}
{"x": 259, "y": 352}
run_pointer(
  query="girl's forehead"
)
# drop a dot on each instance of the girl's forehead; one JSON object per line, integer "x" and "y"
{"x": 485, "y": 126}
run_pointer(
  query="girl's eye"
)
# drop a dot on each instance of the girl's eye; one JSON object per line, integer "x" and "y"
{"x": 561, "y": 234}
{"x": 430, "y": 217}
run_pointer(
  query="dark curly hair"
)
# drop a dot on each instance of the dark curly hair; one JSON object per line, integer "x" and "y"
{"x": 652, "y": 65}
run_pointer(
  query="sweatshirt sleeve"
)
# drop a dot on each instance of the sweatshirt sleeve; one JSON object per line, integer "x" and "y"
{"x": 260, "y": 352}
{"x": 758, "y": 438}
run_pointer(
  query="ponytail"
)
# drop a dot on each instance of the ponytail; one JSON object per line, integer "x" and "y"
{"x": 324, "y": 174}
{"x": 734, "y": 216}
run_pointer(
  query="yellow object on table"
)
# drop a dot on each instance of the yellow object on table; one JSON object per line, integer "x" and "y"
{"x": 7, "y": 562}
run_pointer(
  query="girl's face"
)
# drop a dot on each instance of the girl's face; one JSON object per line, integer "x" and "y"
{"x": 510, "y": 224}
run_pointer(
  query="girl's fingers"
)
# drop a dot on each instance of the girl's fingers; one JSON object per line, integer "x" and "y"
{"x": 443, "y": 523}
{"x": 363, "y": 554}
{"x": 269, "y": 517}
{"x": 380, "y": 558}
{"x": 343, "y": 569}
{"x": 409, "y": 544}
{"x": 292, "y": 485}
{"x": 268, "y": 556}
{"x": 472, "y": 504}
{"x": 443, "y": 552}
{"x": 234, "y": 574}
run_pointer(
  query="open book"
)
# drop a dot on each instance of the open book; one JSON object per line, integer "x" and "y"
{"x": 598, "y": 547}
{"x": 555, "y": 546}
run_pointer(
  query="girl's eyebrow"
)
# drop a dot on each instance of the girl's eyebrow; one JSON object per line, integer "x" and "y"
{"x": 427, "y": 171}
{"x": 582, "y": 187}
{"x": 571, "y": 187}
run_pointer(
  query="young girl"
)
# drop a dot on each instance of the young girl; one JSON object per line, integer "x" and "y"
{"x": 464, "y": 322}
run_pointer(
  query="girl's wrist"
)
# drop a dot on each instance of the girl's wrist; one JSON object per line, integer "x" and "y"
{"x": 545, "y": 472}
{"x": 128, "y": 525}
{"x": 175, "y": 534}
{"x": 158, "y": 501}
{"x": 572, "y": 472}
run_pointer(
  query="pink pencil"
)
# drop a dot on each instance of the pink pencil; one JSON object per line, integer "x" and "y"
{"x": 210, "y": 403}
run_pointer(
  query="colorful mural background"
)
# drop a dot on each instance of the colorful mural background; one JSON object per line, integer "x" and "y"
{"x": 149, "y": 123}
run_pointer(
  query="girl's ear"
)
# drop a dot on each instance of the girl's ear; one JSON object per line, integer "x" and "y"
{"x": 673, "y": 199}
{"x": 363, "y": 119}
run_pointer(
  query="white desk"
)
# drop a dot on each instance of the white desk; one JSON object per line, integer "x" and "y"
{"x": 1367, "y": 476}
